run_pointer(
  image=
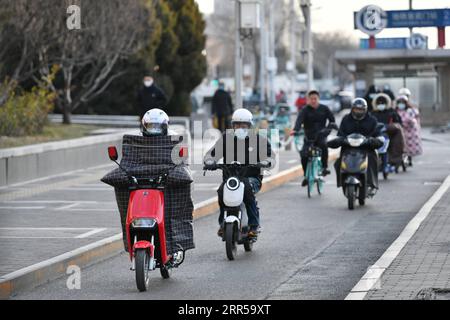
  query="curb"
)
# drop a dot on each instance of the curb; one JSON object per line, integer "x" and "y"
{"x": 48, "y": 270}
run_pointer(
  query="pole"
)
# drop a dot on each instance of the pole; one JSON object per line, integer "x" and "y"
{"x": 263, "y": 54}
{"x": 293, "y": 41}
{"x": 238, "y": 56}
{"x": 410, "y": 8}
{"x": 271, "y": 54}
{"x": 306, "y": 9}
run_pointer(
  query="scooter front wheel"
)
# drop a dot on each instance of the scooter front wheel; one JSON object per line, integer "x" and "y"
{"x": 351, "y": 191}
{"x": 142, "y": 269}
{"x": 165, "y": 272}
{"x": 230, "y": 243}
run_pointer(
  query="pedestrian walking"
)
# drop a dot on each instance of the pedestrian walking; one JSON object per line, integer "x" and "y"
{"x": 150, "y": 96}
{"x": 222, "y": 107}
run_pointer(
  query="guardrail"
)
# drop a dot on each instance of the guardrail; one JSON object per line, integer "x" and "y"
{"x": 114, "y": 121}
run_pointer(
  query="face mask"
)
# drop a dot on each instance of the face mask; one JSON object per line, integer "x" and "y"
{"x": 358, "y": 115}
{"x": 148, "y": 83}
{"x": 381, "y": 107}
{"x": 241, "y": 133}
{"x": 401, "y": 106}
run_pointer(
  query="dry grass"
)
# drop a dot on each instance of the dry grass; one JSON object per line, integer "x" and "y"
{"x": 52, "y": 132}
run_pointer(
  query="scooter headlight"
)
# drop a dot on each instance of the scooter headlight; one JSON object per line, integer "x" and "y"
{"x": 143, "y": 223}
{"x": 355, "y": 142}
{"x": 233, "y": 184}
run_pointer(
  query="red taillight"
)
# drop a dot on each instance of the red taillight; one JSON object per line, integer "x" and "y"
{"x": 183, "y": 152}
{"x": 112, "y": 153}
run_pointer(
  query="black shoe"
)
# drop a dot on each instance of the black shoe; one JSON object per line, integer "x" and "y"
{"x": 304, "y": 182}
{"x": 325, "y": 172}
{"x": 220, "y": 232}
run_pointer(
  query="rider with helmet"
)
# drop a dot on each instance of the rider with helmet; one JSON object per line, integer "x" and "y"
{"x": 362, "y": 122}
{"x": 254, "y": 149}
{"x": 155, "y": 122}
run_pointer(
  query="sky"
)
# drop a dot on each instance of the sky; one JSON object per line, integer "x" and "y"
{"x": 337, "y": 15}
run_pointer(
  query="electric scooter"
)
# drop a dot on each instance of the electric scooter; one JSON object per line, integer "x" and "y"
{"x": 235, "y": 223}
{"x": 353, "y": 171}
{"x": 145, "y": 227}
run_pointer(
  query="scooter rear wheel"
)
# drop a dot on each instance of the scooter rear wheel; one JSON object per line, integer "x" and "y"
{"x": 248, "y": 245}
{"x": 230, "y": 243}
{"x": 142, "y": 273}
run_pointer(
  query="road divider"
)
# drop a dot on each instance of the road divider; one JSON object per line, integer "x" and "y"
{"x": 48, "y": 270}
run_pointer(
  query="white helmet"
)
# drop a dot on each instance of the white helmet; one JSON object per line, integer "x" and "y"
{"x": 242, "y": 115}
{"x": 155, "y": 122}
{"x": 404, "y": 92}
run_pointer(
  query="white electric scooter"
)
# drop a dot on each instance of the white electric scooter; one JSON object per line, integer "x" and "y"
{"x": 235, "y": 224}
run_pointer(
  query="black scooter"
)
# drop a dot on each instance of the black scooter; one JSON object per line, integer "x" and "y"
{"x": 353, "y": 167}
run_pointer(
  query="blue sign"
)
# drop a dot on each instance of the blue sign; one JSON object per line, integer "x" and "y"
{"x": 418, "y": 18}
{"x": 372, "y": 19}
{"x": 385, "y": 43}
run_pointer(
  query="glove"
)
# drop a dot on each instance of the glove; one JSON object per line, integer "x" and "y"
{"x": 375, "y": 143}
{"x": 335, "y": 143}
{"x": 333, "y": 126}
{"x": 265, "y": 163}
{"x": 210, "y": 164}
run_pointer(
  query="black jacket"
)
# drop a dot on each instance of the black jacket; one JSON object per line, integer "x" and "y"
{"x": 313, "y": 120}
{"x": 149, "y": 98}
{"x": 221, "y": 103}
{"x": 367, "y": 126}
{"x": 257, "y": 148}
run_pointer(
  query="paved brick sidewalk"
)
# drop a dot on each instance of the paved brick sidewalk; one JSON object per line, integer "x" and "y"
{"x": 422, "y": 268}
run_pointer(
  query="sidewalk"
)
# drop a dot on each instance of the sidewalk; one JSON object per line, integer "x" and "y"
{"x": 422, "y": 268}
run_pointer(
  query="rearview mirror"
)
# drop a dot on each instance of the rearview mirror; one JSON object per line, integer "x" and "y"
{"x": 112, "y": 152}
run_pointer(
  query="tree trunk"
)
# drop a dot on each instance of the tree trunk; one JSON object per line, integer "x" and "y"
{"x": 66, "y": 115}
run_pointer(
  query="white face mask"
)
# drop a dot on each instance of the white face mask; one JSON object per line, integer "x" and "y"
{"x": 401, "y": 106}
{"x": 148, "y": 83}
{"x": 381, "y": 107}
{"x": 241, "y": 133}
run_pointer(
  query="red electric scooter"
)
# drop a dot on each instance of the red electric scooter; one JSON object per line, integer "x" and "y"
{"x": 146, "y": 229}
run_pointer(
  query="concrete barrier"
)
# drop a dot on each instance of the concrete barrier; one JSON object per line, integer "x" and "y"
{"x": 47, "y": 159}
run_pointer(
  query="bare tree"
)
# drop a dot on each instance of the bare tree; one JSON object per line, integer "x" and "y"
{"x": 111, "y": 30}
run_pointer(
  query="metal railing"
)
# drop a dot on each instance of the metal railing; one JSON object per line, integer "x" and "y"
{"x": 114, "y": 120}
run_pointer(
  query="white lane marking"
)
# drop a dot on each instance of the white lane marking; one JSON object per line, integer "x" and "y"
{"x": 91, "y": 210}
{"x": 374, "y": 273}
{"x": 60, "y": 258}
{"x": 84, "y": 189}
{"x": 292, "y": 161}
{"x": 50, "y": 228}
{"x": 69, "y": 206}
{"x": 48, "y": 201}
{"x": 431, "y": 183}
{"x": 103, "y": 166}
{"x": 90, "y": 233}
{"x": 21, "y": 208}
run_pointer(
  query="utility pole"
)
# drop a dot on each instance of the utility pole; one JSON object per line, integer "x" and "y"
{"x": 293, "y": 42}
{"x": 238, "y": 56}
{"x": 410, "y": 8}
{"x": 272, "y": 63}
{"x": 305, "y": 5}
{"x": 263, "y": 55}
